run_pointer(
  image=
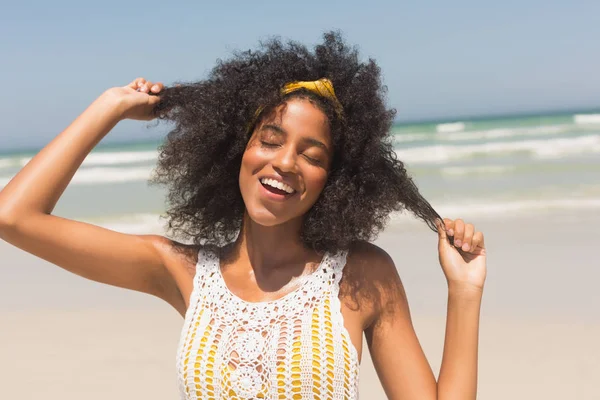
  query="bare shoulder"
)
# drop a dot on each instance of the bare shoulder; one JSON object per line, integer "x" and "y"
{"x": 371, "y": 263}
{"x": 180, "y": 261}
{"x": 176, "y": 255}
{"x": 363, "y": 254}
{"x": 370, "y": 279}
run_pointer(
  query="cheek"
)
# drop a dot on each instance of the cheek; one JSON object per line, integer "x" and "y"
{"x": 251, "y": 160}
{"x": 252, "y": 163}
{"x": 316, "y": 182}
{"x": 245, "y": 170}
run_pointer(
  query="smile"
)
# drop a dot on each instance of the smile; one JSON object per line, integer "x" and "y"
{"x": 276, "y": 189}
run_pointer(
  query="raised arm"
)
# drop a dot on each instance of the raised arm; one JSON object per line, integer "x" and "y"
{"x": 464, "y": 265}
{"x": 27, "y": 201}
{"x": 397, "y": 355}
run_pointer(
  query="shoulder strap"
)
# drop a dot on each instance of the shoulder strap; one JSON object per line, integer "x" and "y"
{"x": 338, "y": 265}
{"x": 207, "y": 260}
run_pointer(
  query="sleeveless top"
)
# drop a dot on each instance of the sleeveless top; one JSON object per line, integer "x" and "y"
{"x": 294, "y": 347}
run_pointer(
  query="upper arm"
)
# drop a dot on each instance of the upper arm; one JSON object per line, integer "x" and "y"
{"x": 130, "y": 261}
{"x": 397, "y": 355}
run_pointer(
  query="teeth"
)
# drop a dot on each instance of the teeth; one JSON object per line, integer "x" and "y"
{"x": 277, "y": 184}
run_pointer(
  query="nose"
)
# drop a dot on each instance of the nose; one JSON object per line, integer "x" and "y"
{"x": 285, "y": 159}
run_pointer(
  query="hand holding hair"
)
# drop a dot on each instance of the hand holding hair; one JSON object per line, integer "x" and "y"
{"x": 464, "y": 260}
{"x": 137, "y": 99}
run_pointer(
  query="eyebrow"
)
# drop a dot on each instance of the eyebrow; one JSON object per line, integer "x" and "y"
{"x": 275, "y": 128}
{"x": 280, "y": 131}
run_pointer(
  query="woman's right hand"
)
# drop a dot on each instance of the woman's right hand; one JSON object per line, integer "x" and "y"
{"x": 137, "y": 99}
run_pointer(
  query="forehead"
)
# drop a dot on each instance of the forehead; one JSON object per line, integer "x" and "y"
{"x": 299, "y": 117}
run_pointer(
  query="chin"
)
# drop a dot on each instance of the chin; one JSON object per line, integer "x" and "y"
{"x": 265, "y": 217}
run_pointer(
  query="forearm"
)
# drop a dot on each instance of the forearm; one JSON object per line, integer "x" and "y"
{"x": 39, "y": 185}
{"x": 458, "y": 373}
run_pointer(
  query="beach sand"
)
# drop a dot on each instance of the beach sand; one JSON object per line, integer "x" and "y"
{"x": 63, "y": 337}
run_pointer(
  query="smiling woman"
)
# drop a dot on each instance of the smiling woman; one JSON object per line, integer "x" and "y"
{"x": 350, "y": 144}
{"x": 277, "y": 183}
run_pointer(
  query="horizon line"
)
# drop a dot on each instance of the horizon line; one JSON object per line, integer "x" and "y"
{"x": 405, "y": 122}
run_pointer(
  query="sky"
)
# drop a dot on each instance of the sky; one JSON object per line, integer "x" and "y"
{"x": 439, "y": 59}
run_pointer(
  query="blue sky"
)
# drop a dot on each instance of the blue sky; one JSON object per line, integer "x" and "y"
{"x": 439, "y": 59}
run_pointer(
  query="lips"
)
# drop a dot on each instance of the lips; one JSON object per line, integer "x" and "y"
{"x": 276, "y": 190}
{"x": 273, "y": 193}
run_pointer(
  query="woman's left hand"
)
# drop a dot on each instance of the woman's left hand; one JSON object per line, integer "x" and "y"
{"x": 464, "y": 264}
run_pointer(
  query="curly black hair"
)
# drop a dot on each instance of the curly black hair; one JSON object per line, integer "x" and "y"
{"x": 213, "y": 119}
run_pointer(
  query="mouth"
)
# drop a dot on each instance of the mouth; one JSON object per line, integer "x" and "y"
{"x": 276, "y": 189}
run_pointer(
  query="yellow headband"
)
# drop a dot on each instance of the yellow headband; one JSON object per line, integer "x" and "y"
{"x": 322, "y": 87}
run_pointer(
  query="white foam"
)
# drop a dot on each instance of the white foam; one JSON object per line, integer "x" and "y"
{"x": 499, "y": 209}
{"x": 450, "y": 127}
{"x": 586, "y": 119}
{"x": 112, "y": 158}
{"x": 478, "y": 170}
{"x": 411, "y": 137}
{"x": 90, "y": 176}
{"x": 111, "y": 175}
{"x": 500, "y": 133}
{"x": 495, "y": 207}
{"x": 135, "y": 224}
{"x": 6, "y": 163}
{"x": 550, "y": 148}
{"x": 584, "y": 144}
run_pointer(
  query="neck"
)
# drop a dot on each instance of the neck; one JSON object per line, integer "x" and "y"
{"x": 271, "y": 247}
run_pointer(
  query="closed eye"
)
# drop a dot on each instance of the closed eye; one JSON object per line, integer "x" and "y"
{"x": 267, "y": 144}
{"x": 312, "y": 160}
{"x": 308, "y": 158}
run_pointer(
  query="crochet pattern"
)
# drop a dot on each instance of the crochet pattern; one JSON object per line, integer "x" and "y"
{"x": 295, "y": 347}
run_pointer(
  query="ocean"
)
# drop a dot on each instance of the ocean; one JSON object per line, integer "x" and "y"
{"x": 489, "y": 166}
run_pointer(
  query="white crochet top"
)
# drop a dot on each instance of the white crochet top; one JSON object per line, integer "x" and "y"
{"x": 295, "y": 347}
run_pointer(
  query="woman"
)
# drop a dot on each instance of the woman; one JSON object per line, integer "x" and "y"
{"x": 280, "y": 170}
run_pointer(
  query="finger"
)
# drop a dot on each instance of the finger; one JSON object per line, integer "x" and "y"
{"x": 468, "y": 237}
{"x": 441, "y": 228}
{"x": 157, "y": 87}
{"x": 478, "y": 242}
{"x": 145, "y": 87}
{"x": 459, "y": 231}
{"x": 136, "y": 83}
{"x": 153, "y": 100}
{"x": 443, "y": 242}
{"x": 449, "y": 226}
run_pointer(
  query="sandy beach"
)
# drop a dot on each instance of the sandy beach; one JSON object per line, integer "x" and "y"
{"x": 62, "y": 337}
